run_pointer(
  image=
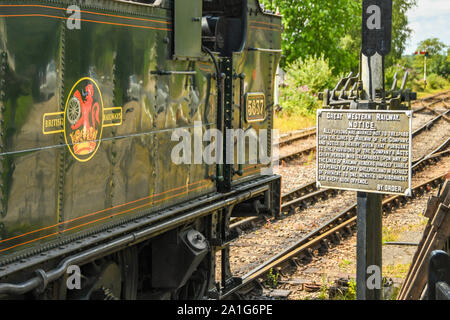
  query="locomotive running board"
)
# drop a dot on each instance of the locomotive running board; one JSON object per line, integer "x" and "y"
{"x": 117, "y": 237}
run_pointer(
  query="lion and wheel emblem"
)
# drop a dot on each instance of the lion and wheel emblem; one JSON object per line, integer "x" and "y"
{"x": 83, "y": 119}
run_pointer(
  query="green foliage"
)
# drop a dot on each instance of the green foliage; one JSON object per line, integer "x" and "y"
{"x": 297, "y": 102}
{"x": 333, "y": 28}
{"x": 315, "y": 73}
{"x": 440, "y": 65}
{"x": 390, "y": 75}
{"x": 272, "y": 279}
{"x": 323, "y": 295}
{"x": 438, "y": 61}
{"x": 433, "y": 45}
{"x": 400, "y": 30}
{"x": 349, "y": 293}
{"x": 315, "y": 27}
{"x": 435, "y": 81}
{"x": 304, "y": 79}
{"x": 438, "y": 68}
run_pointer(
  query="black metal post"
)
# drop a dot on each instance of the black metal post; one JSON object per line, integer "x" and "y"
{"x": 369, "y": 253}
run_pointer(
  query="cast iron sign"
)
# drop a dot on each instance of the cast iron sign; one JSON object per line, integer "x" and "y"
{"x": 376, "y": 27}
{"x": 364, "y": 150}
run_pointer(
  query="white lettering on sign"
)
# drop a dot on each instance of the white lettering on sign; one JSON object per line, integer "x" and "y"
{"x": 374, "y": 21}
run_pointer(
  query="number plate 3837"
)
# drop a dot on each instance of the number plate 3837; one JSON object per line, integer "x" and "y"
{"x": 255, "y": 107}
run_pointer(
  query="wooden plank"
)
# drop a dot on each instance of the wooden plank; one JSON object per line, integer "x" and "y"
{"x": 432, "y": 205}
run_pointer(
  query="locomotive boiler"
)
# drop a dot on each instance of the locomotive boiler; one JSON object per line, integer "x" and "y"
{"x": 93, "y": 95}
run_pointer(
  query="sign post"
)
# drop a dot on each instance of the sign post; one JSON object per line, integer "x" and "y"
{"x": 376, "y": 43}
{"x": 367, "y": 148}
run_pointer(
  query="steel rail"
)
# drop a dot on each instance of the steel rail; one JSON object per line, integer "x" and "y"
{"x": 309, "y": 194}
{"x": 306, "y": 133}
{"x": 429, "y": 124}
{"x": 295, "y": 136}
{"x": 435, "y": 95}
{"x": 429, "y": 105}
{"x": 320, "y": 238}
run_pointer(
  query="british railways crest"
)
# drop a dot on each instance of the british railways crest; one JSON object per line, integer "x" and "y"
{"x": 83, "y": 119}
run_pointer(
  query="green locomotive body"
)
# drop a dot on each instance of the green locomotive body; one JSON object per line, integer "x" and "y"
{"x": 92, "y": 95}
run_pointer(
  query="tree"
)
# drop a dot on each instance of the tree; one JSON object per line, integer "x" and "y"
{"x": 438, "y": 57}
{"x": 333, "y": 28}
{"x": 400, "y": 30}
{"x": 433, "y": 45}
{"x": 315, "y": 27}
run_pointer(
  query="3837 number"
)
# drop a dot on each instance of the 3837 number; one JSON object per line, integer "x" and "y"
{"x": 256, "y": 107}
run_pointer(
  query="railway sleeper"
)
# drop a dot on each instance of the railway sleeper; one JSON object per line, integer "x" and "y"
{"x": 324, "y": 247}
{"x": 336, "y": 238}
{"x": 296, "y": 262}
{"x": 348, "y": 230}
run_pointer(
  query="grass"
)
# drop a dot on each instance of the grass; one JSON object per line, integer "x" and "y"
{"x": 389, "y": 235}
{"x": 344, "y": 263}
{"x": 286, "y": 124}
{"x": 429, "y": 92}
{"x": 396, "y": 271}
{"x": 349, "y": 294}
{"x": 310, "y": 159}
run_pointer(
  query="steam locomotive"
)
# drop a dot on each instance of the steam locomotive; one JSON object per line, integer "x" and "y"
{"x": 92, "y": 93}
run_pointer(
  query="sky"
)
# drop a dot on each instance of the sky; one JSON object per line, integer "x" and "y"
{"x": 430, "y": 19}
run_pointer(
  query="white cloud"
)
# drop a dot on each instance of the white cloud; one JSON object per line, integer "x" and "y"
{"x": 430, "y": 19}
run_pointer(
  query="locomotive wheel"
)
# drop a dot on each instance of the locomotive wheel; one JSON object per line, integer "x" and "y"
{"x": 195, "y": 288}
{"x": 113, "y": 277}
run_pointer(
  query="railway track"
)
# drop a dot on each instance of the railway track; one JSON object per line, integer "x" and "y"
{"x": 330, "y": 233}
{"x": 442, "y": 97}
{"x": 310, "y": 132}
{"x": 309, "y": 194}
{"x": 291, "y": 137}
{"x": 434, "y": 96}
{"x": 343, "y": 224}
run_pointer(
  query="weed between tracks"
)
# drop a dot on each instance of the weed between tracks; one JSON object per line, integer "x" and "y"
{"x": 272, "y": 279}
{"x": 329, "y": 292}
